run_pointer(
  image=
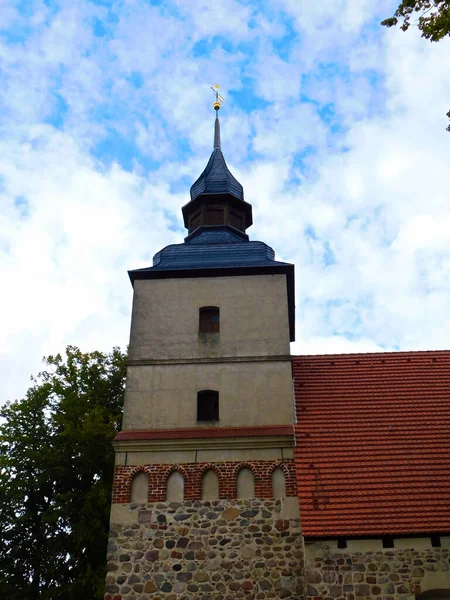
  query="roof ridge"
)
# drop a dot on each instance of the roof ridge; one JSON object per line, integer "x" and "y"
{"x": 377, "y": 354}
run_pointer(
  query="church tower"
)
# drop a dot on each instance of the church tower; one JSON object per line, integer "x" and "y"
{"x": 204, "y": 501}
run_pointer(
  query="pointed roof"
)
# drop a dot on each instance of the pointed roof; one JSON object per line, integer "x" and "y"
{"x": 217, "y": 178}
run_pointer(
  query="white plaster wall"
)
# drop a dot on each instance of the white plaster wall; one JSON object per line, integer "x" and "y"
{"x": 175, "y": 487}
{"x": 210, "y": 486}
{"x": 253, "y": 317}
{"x": 278, "y": 483}
{"x": 245, "y": 484}
{"x": 139, "y": 488}
{"x": 250, "y": 393}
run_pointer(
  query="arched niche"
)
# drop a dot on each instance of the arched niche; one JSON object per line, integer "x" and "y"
{"x": 175, "y": 487}
{"x": 278, "y": 483}
{"x": 139, "y": 488}
{"x": 210, "y": 485}
{"x": 434, "y": 595}
{"x": 245, "y": 484}
{"x": 435, "y": 586}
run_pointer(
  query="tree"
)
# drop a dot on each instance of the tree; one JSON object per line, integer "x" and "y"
{"x": 433, "y": 19}
{"x": 56, "y": 470}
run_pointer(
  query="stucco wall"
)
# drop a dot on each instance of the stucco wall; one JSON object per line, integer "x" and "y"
{"x": 253, "y": 317}
{"x": 174, "y": 456}
{"x": 250, "y": 393}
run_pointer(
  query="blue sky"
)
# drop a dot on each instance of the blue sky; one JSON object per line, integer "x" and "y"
{"x": 334, "y": 125}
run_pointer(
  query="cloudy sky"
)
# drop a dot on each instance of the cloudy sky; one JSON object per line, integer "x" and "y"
{"x": 334, "y": 125}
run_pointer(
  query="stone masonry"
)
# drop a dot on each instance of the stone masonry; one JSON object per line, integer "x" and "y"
{"x": 388, "y": 574}
{"x": 218, "y": 550}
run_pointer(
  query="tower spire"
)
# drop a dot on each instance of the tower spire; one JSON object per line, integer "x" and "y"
{"x": 218, "y": 99}
{"x": 217, "y": 132}
{"x": 217, "y": 198}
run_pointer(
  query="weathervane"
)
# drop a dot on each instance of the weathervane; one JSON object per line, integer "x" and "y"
{"x": 218, "y": 97}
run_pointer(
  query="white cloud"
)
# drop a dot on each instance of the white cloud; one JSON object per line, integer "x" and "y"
{"x": 363, "y": 213}
{"x": 65, "y": 262}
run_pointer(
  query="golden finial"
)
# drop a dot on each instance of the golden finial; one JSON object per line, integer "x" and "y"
{"x": 218, "y": 98}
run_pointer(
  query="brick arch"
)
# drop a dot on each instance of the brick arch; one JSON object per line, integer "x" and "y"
{"x": 173, "y": 468}
{"x": 211, "y": 467}
{"x": 244, "y": 465}
{"x": 279, "y": 464}
{"x": 252, "y": 469}
{"x": 284, "y": 468}
{"x": 289, "y": 476}
{"x": 189, "y": 481}
{"x": 132, "y": 474}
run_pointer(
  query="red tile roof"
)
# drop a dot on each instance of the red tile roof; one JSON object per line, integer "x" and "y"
{"x": 205, "y": 433}
{"x": 373, "y": 443}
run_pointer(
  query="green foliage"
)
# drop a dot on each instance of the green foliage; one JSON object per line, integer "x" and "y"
{"x": 56, "y": 469}
{"x": 433, "y": 19}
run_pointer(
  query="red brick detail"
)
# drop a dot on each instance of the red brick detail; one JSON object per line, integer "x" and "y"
{"x": 281, "y": 465}
{"x": 193, "y": 472}
{"x": 372, "y": 443}
{"x": 206, "y": 433}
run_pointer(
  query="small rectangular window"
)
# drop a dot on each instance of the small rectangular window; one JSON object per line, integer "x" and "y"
{"x": 208, "y": 405}
{"x": 435, "y": 541}
{"x": 209, "y": 320}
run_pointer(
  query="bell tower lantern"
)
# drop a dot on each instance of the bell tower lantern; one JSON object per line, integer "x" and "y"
{"x": 217, "y": 198}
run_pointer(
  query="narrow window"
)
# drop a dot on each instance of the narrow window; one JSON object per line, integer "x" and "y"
{"x": 209, "y": 321}
{"x": 208, "y": 405}
{"x": 175, "y": 487}
{"x": 245, "y": 484}
{"x": 139, "y": 488}
{"x": 278, "y": 483}
{"x": 210, "y": 485}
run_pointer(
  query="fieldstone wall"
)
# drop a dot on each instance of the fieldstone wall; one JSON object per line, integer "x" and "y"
{"x": 221, "y": 550}
{"x": 388, "y": 574}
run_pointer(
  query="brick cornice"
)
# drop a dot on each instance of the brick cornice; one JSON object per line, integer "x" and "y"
{"x": 205, "y": 432}
{"x": 258, "y": 437}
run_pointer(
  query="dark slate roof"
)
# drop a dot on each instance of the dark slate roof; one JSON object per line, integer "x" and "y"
{"x": 217, "y": 179}
{"x": 214, "y": 248}
{"x": 217, "y": 252}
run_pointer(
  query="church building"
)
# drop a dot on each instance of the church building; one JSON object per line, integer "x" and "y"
{"x": 245, "y": 472}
